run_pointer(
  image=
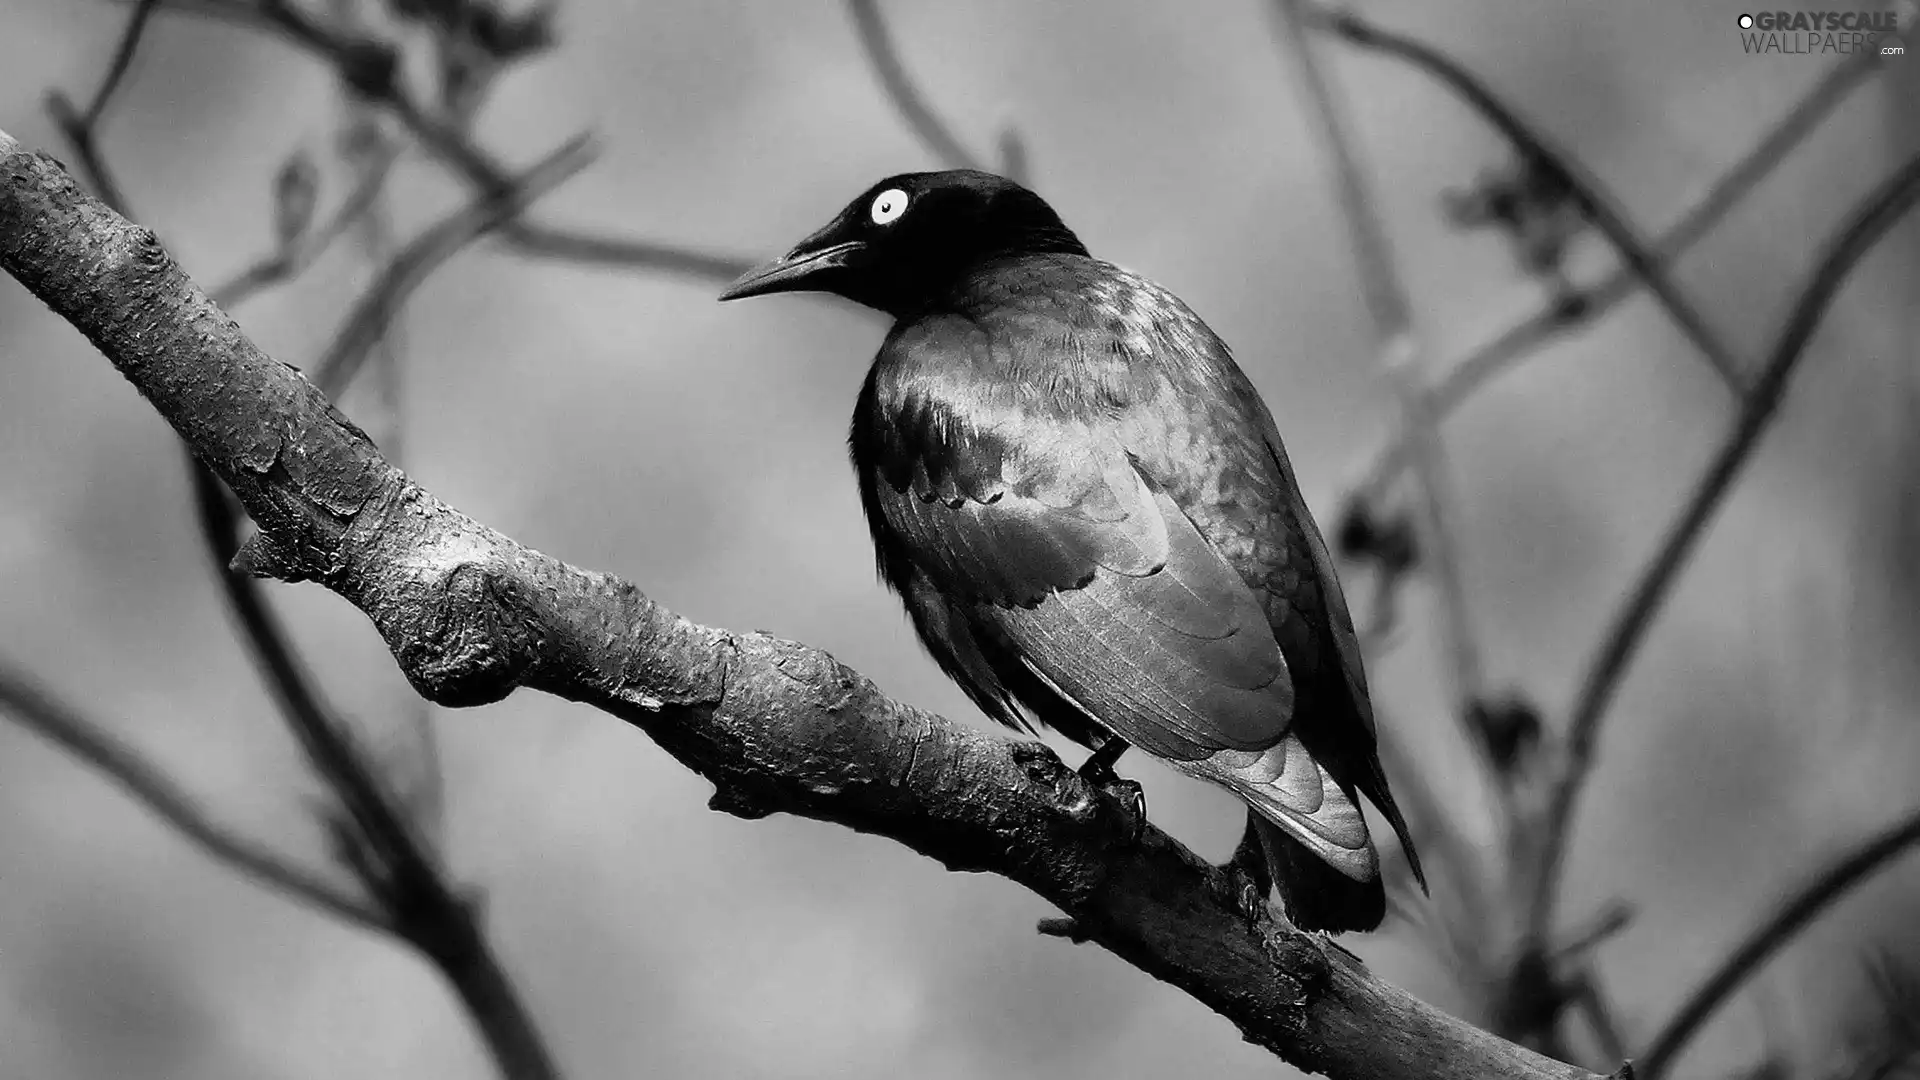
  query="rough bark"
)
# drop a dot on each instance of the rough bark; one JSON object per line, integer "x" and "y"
{"x": 470, "y": 615}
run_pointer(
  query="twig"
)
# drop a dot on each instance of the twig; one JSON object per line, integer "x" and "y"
{"x": 1873, "y": 216}
{"x": 80, "y": 127}
{"x": 122, "y": 60}
{"x": 1401, "y": 354}
{"x": 423, "y": 787}
{"x": 344, "y": 52}
{"x": 415, "y": 901}
{"x": 884, "y": 55}
{"x": 1562, "y": 314}
{"x": 63, "y": 725}
{"x": 1595, "y": 203}
{"x": 1584, "y": 991}
{"x": 394, "y": 286}
{"x": 286, "y": 264}
{"x": 1796, "y": 911}
{"x": 615, "y": 251}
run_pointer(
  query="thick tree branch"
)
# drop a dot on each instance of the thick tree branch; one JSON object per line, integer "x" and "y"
{"x": 64, "y": 726}
{"x": 1869, "y": 221}
{"x": 1796, "y": 911}
{"x": 415, "y": 898}
{"x": 470, "y": 615}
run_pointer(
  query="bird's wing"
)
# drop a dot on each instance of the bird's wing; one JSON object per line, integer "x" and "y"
{"x": 1041, "y": 526}
{"x": 1339, "y": 620}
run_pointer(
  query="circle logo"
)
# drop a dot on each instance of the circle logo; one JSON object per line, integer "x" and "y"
{"x": 1746, "y": 22}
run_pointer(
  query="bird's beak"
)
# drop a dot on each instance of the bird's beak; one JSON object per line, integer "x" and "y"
{"x": 797, "y": 270}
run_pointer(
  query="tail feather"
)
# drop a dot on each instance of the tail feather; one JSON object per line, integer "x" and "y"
{"x": 1314, "y": 895}
{"x": 1375, "y": 788}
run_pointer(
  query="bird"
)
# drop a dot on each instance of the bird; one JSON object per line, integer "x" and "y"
{"x": 1086, "y": 509}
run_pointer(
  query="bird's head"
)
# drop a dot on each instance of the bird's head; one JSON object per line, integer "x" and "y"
{"x": 909, "y": 238}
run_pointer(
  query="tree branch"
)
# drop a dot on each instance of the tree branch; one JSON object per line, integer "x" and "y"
{"x": 1796, "y": 911}
{"x": 1566, "y": 312}
{"x": 80, "y": 127}
{"x": 884, "y": 56}
{"x": 1402, "y": 355}
{"x": 64, "y": 726}
{"x": 1870, "y": 220}
{"x": 291, "y": 260}
{"x": 1595, "y": 203}
{"x": 370, "y": 66}
{"x": 470, "y": 615}
{"x": 409, "y": 268}
{"x": 415, "y": 899}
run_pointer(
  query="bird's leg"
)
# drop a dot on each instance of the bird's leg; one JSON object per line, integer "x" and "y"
{"x": 1098, "y": 771}
{"x": 1248, "y": 877}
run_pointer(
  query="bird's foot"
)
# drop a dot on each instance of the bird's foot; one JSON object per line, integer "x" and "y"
{"x": 1098, "y": 772}
{"x": 1246, "y": 880}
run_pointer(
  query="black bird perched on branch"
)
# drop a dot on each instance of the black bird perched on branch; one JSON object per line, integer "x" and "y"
{"x": 1088, "y": 513}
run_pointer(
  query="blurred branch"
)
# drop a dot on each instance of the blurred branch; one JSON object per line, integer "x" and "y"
{"x": 425, "y": 909}
{"x": 415, "y": 901}
{"x": 80, "y": 127}
{"x": 1794, "y": 913}
{"x": 289, "y": 261}
{"x": 1566, "y": 312}
{"x": 1870, "y": 220}
{"x": 370, "y": 316}
{"x": 777, "y": 727}
{"x": 64, "y": 726}
{"x": 1539, "y": 152}
{"x": 416, "y": 771}
{"x": 884, "y": 55}
{"x": 122, "y": 60}
{"x": 371, "y": 67}
{"x": 1402, "y": 356}
{"x": 618, "y": 252}
{"x": 1601, "y": 1019}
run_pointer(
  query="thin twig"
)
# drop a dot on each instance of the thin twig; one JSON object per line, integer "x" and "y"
{"x": 291, "y": 262}
{"x": 1865, "y": 225}
{"x": 1584, "y": 991}
{"x": 1795, "y": 912}
{"x": 1401, "y": 353}
{"x": 1594, "y": 201}
{"x": 122, "y": 60}
{"x": 454, "y": 148}
{"x": 1563, "y": 314}
{"x": 884, "y": 55}
{"x": 42, "y": 713}
{"x": 615, "y": 251}
{"x": 81, "y": 127}
{"x": 415, "y": 900}
{"x": 385, "y": 848}
{"x": 370, "y": 316}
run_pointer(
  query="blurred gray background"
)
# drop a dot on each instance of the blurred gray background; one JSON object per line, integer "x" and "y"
{"x": 627, "y": 422}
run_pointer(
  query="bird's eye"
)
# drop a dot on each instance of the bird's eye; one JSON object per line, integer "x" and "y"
{"x": 888, "y": 206}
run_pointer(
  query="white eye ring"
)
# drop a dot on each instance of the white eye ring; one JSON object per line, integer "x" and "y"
{"x": 888, "y": 206}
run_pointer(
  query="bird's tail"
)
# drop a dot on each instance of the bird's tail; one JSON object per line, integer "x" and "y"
{"x": 1311, "y": 831}
{"x": 1314, "y": 894}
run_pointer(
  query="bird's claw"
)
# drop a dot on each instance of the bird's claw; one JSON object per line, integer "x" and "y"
{"x": 1128, "y": 793}
{"x": 1133, "y": 803}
